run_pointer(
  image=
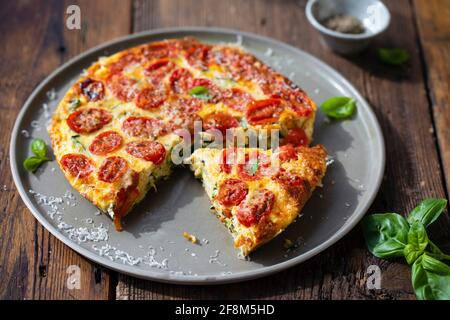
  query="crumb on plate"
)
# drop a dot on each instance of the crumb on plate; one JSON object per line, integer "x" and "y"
{"x": 190, "y": 237}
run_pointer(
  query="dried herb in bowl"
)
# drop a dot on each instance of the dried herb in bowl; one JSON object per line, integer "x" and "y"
{"x": 344, "y": 24}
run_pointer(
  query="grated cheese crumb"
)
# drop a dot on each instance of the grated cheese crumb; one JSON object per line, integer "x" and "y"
{"x": 51, "y": 94}
{"x": 36, "y": 125}
{"x": 329, "y": 160}
{"x": 46, "y": 110}
{"x": 113, "y": 254}
{"x": 25, "y": 133}
{"x": 215, "y": 259}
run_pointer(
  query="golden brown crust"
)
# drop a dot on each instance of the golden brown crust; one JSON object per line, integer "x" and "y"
{"x": 285, "y": 190}
{"x": 312, "y": 161}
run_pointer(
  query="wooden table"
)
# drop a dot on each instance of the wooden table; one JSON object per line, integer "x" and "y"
{"x": 411, "y": 103}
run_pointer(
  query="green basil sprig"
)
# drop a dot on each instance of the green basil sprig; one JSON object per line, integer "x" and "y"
{"x": 390, "y": 235}
{"x": 431, "y": 278}
{"x": 394, "y": 56}
{"x": 39, "y": 148}
{"x": 427, "y": 211}
{"x": 339, "y": 108}
{"x": 386, "y": 234}
{"x": 417, "y": 242}
{"x": 200, "y": 92}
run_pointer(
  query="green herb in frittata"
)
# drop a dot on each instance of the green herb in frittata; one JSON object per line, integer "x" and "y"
{"x": 200, "y": 92}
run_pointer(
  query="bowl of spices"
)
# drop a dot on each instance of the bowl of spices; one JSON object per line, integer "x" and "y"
{"x": 347, "y": 26}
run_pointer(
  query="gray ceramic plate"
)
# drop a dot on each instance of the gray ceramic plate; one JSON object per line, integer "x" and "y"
{"x": 152, "y": 245}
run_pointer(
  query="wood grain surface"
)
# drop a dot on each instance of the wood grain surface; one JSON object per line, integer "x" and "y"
{"x": 33, "y": 263}
{"x": 411, "y": 103}
{"x": 434, "y": 35}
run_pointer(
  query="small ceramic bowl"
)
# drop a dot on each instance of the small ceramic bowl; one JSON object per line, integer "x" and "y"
{"x": 373, "y": 14}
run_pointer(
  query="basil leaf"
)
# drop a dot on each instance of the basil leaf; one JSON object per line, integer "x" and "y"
{"x": 74, "y": 104}
{"x": 77, "y": 143}
{"x": 200, "y": 92}
{"x": 32, "y": 163}
{"x": 436, "y": 252}
{"x": 417, "y": 242}
{"x": 339, "y": 107}
{"x": 394, "y": 56}
{"x": 39, "y": 148}
{"x": 386, "y": 234}
{"x": 431, "y": 279}
{"x": 427, "y": 211}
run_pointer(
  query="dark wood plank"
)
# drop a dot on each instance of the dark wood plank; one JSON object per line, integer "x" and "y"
{"x": 33, "y": 263}
{"x": 400, "y": 102}
{"x": 434, "y": 34}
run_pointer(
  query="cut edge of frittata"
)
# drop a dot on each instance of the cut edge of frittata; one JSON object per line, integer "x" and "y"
{"x": 309, "y": 166}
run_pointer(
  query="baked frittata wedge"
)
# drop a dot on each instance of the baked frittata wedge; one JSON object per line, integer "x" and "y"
{"x": 257, "y": 193}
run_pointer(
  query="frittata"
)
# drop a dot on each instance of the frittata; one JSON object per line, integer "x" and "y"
{"x": 258, "y": 193}
{"x": 114, "y": 130}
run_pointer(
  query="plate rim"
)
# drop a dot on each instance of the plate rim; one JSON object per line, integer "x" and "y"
{"x": 188, "y": 279}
